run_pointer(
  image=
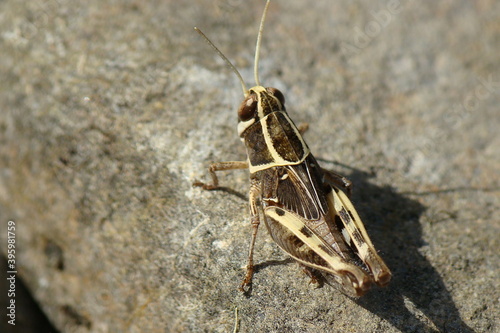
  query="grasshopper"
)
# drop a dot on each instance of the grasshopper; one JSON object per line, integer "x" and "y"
{"x": 306, "y": 209}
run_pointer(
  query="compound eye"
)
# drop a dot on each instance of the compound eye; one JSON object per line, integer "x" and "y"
{"x": 248, "y": 108}
{"x": 278, "y": 94}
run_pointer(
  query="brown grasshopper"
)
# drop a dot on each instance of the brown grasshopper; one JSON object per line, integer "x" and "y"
{"x": 305, "y": 208}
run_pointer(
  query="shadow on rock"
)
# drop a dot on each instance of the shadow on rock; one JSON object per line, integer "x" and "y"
{"x": 416, "y": 299}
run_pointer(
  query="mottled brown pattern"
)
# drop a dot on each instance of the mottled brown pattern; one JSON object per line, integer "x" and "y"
{"x": 269, "y": 103}
{"x": 305, "y": 230}
{"x": 257, "y": 150}
{"x": 284, "y": 139}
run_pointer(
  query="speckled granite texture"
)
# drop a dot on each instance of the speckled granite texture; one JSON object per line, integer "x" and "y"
{"x": 111, "y": 109}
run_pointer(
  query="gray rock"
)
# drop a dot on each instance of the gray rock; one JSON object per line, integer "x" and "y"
{"x": 110, "y": 110}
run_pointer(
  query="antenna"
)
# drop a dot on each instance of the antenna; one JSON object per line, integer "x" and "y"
{"x": 243, "y": 86}
{"x": 257, "y": 47}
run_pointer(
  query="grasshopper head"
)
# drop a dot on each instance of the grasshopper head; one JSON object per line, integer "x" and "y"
{"x": 258, "y": 103}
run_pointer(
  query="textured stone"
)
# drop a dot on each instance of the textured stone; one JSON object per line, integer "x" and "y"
{"x": 110, "y": 110}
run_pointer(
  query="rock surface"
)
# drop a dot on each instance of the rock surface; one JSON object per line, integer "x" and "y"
{"x": 110, "y": 110}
